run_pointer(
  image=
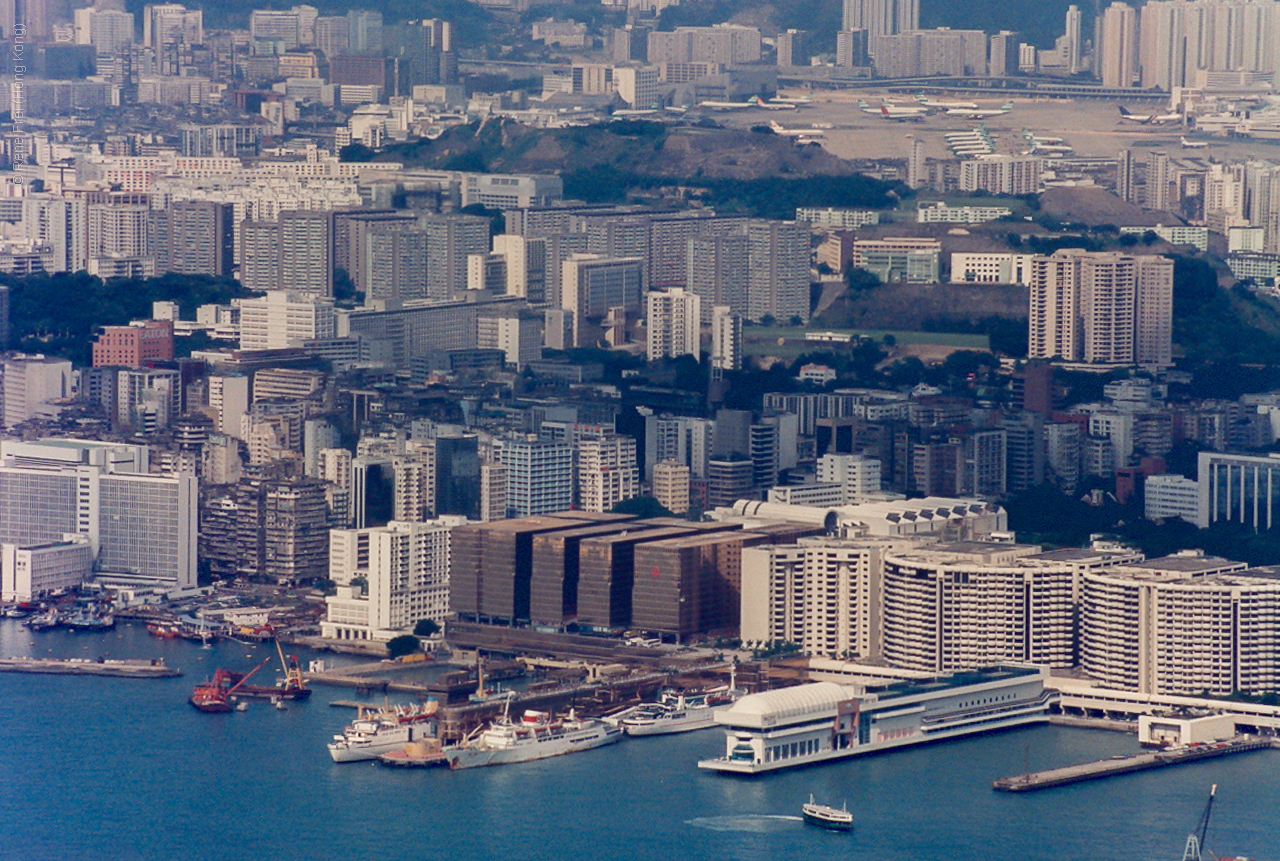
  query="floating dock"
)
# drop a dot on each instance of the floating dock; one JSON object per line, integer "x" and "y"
{"x": 1126, "y": 764}
{"x": 132, "y": 669}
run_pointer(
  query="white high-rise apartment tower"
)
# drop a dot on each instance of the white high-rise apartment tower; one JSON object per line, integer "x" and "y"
{"x": 1101, "y": 307}
{"x": 673, "y": 324}
{"x": 1119, "y": 50}
{"x": 881, "y": 17}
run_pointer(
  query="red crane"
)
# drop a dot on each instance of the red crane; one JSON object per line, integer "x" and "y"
{"x": 215, "y": 696}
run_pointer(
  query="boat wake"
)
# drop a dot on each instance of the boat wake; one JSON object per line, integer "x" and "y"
{"x": 750, "y": 822}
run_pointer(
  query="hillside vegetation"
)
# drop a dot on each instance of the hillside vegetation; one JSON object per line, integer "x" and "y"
{"x": 752, "y": 173}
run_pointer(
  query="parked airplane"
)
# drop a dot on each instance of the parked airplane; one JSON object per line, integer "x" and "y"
{"x": 980, "y": 113}
{"x": 794, "y": 100}
{"x": 627, "y": 113}
{"x": 795, "y": 133}
{"x": 938, "y": 103}
{"x": 1186, "y": 144}
{"x": 893, "y": 112}
{"x": 1144, "y": 119}
{"x": 726, "y": 106}
{"x": 772, "y": 104}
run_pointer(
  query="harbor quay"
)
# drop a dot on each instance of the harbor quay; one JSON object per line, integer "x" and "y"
{"x": 1121, "y": 764}
{"x": 132, "y": 669}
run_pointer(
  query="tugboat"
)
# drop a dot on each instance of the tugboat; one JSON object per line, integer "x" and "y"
{"x": 825, "y": 816}
{"x": 214, "y": 697}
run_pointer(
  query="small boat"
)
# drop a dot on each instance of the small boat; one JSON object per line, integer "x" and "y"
{"x": 242, "y": 706}
{"x": 44, "y": 621}
{"x": 825, "y": 816}
{"x": 15, "y": 612}
{"x": 162, "y": 631}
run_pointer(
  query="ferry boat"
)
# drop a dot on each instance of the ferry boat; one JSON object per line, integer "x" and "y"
{"x": 371, "y": 735}
{"x": 536, "y": 736}
{"x": 825, "y": 816}
{"x": 823, "y": 721}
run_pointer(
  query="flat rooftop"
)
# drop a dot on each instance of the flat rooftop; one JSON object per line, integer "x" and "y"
{"x": 1079, "y": 554}
{"x": 982, "y": 675}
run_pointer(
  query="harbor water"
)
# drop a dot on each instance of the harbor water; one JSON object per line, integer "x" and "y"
{"x": 109, "y": 768}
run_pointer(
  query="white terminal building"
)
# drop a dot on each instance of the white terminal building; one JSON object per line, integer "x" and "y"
{"x": 823, "y": 721}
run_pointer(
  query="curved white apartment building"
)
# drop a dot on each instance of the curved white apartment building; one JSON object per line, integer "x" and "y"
{"x": 951, "y": 611}
{"x": 1160, "y": 633}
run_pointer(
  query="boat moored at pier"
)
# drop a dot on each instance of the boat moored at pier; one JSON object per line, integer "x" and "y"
{"x": 375, "y": 733}
{"x": 536, "y": 736}
{"x": 824, "y": 721}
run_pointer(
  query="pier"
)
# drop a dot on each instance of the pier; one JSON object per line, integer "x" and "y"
{"x": 134, "y": 669}
{"x": 1117, "y": 765}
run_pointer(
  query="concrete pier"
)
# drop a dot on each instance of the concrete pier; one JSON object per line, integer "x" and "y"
{"x": 1126, "y": 764}
{"x": 132, "y": 669}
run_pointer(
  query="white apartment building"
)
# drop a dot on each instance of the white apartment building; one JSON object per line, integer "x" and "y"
{"x": 406, "y": 569}
{"x": 518, "y": 335}
{"x": 539, "y": 475}
{"x": 821, "y": 594}
{"x": 842, "y": 219}
{"x": 1101, "y": 308}
{"x": 726, "y": 340}
{"x": 1176, "y": 234}
{"x": 673, "y": 324}
{"x": 1002, "y": 174}
{"x": 977, "y": 606}
{"x": 28, "y": 383}
{"x": 1171, "y": 495}
{"x": 1168, "y": 628}
{"x": 229, "y": 399}
{"x": 939, "y": 213}
{"x": 991, "y": 268}
{"x": 607, "y": 472}
{"x": 671, "y": 485}
{"x": 282, "y": 319}
{"x": 493, "y": 492}
{"x": 684, "y": 439}
{"x": 857, "y": 474}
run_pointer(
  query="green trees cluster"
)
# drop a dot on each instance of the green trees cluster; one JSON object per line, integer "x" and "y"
{"x": 58, "y": 314}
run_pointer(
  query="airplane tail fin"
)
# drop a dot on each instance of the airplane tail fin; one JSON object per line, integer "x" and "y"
{"x": 884, "y": 111}
{"x": 1123, "y": 111}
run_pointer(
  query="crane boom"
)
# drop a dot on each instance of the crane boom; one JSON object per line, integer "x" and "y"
{"x": 1195, "y": 840}
{"x": 246, "y": 675}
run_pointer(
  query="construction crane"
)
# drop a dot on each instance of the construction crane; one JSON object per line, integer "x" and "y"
{"x": 1195, "y": 840}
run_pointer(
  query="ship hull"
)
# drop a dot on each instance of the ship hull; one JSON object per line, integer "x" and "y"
{"x": 373, "y": 745}
{"x": 572, "y": 741}
{"x": 671, "y": 724}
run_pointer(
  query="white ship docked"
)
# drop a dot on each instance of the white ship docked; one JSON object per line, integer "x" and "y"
{"x": 372, "y": 734}
{"x": 675, "y": 713}
{"x": 823, "y": 721}
{"x": 536, "y": 736}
